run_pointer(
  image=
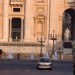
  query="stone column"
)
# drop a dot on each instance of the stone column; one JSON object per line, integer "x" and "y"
{"x": 10, "y": 38}
{"x": 27, "y": 21}
{"x": 5, "y": 20}
{"x": 60, "y": 26}
{"x": 21, "y": 30}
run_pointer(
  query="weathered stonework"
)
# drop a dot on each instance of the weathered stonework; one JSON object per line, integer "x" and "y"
{"x": 25, "y": 20}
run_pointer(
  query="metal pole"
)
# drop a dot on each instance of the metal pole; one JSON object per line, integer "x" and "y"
{"x": 53, "y": 46}
{"x": 41, "y": 43}
{"x": 41, "y": 47}
{"x": 53, "y": 41}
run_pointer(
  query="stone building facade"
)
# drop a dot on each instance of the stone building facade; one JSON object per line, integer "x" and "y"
{"x": 23, "y": 23}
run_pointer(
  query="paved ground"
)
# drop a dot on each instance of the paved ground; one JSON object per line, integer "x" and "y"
{"x": 28, "y": 67}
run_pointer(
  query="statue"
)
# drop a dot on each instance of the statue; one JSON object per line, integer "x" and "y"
{"x": 46, "y": 54}
{"x": 10, "y": 55}
{"x": 67, "y": 35}
{"x": 32, "y": 56}
{"x": 55, "y": 55}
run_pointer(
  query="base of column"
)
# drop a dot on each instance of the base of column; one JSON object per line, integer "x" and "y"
{"x": 21, "y": 40}
{"x": 10, "y": 39}
{"x": 4, "y": 40}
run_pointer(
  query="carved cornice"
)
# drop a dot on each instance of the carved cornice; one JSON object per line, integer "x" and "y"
{"x": 16, "y": 5}
{"x": 40, "y": 16}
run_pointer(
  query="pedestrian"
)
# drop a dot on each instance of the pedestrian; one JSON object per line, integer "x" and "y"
{"x": 18, "y": 56}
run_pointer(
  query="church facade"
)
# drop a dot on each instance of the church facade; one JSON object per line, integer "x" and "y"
{"x": 24, "y": 24}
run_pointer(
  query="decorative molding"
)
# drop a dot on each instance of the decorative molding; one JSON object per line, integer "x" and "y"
{"x": 39, "y": 9}
{"x": 40, "y": 1}
{"x": 16, "y": 5}
{"x": 69, "y": 0}
{"x": 16, "y": 0}
{"x": 20, "y": 44}
{"x": 40, "y": 18}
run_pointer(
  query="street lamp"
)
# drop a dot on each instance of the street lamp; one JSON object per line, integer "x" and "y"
{"x": 41, "y": 40}
{"x": 53, "y": 37}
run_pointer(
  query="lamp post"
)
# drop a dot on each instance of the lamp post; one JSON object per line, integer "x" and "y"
{"x": 41, "y": 40}
{"x": 53, "y": 37}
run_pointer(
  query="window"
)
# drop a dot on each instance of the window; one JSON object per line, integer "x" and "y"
{"x": 16, "y": 9}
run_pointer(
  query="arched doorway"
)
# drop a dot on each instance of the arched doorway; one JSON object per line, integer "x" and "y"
{"x": 69, "y": 22}
{"x": 16, "y": 29}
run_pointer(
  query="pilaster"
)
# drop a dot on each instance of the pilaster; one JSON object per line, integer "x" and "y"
{"x": 60, "y": 27}
{"x": 22, "y": 29}
{"x": 5, "y": 20}
{"x": 10, "y": 38}
{"x": 27, "y": 21}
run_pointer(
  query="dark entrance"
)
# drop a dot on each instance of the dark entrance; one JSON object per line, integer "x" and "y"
{"x": 16, "y": 29}
{"x": 69, "y": 22}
